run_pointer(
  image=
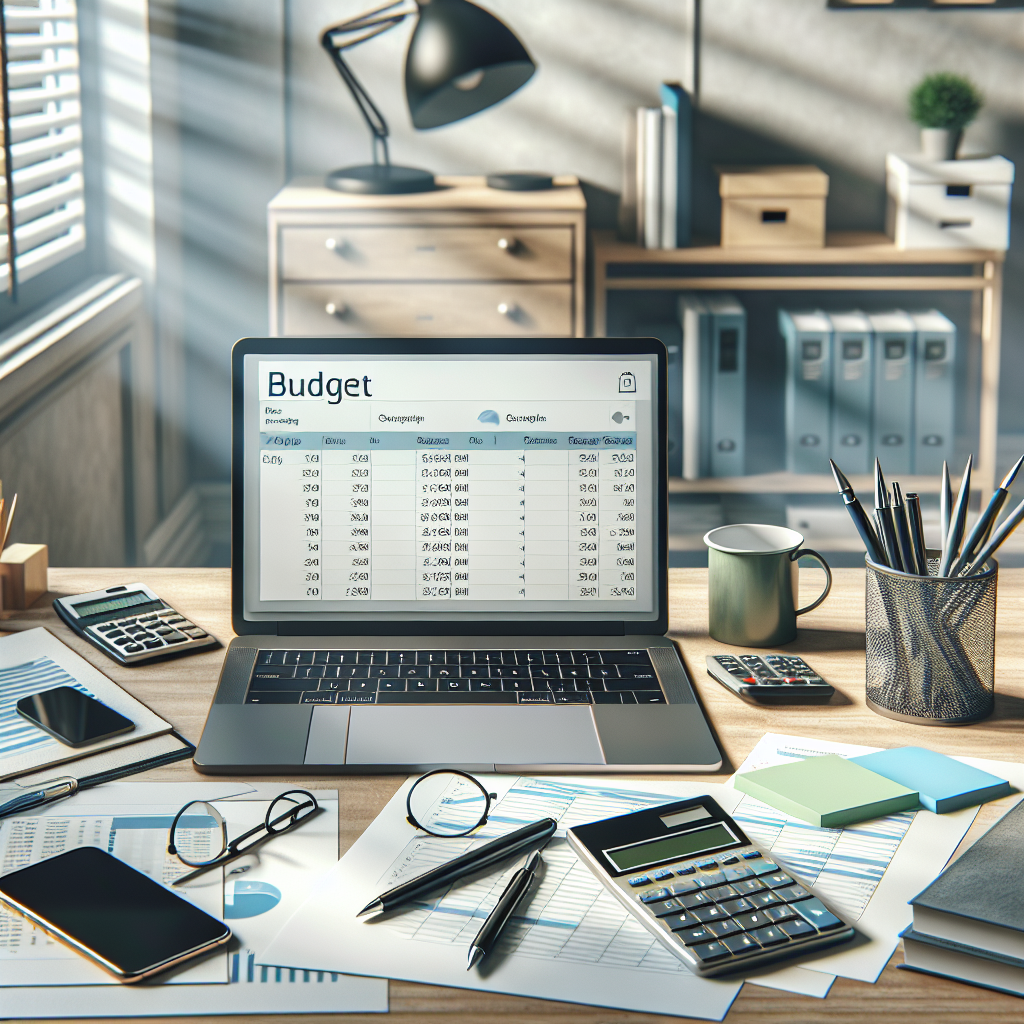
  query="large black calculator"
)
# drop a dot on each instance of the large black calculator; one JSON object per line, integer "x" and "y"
{"x": 131, "y": 625}
{"x": 691, "y": 877}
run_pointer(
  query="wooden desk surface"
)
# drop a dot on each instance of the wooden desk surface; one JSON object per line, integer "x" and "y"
{"x": 832, "y": 640}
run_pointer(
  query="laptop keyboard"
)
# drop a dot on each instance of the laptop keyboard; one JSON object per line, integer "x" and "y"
{"x": 454, "y": 677}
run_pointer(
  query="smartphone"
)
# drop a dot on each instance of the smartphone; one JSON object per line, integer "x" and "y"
{"x": 73, "y": 717}
{"x": 117, "y": 917}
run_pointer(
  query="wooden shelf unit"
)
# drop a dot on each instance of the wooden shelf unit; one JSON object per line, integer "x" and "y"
{"x": 849, "y": 256}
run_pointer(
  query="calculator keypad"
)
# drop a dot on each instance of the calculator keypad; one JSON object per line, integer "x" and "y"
{"x": 735, "y": 906}
{"x": 156, "y": 632}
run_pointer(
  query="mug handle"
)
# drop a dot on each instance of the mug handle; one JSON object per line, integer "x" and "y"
{"x": 799, "y": 553}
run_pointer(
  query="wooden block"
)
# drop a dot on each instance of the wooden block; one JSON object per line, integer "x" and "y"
{"x": 758, "y": 182}
{"x": 24, "y": 573}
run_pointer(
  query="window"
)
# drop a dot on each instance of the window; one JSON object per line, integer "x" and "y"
{"x": 42, "y": 138}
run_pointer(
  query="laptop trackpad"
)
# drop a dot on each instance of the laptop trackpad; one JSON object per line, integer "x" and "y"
{"x": 472, "y": 735}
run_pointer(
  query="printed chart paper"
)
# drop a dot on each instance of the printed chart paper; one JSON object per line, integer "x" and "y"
{"x": 571, "y": 942}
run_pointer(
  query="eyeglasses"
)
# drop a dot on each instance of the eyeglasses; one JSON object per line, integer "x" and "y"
{"x": 198, "y": 835}
{"x": 448, "y": 803}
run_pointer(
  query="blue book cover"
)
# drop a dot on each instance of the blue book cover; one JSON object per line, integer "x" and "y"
{"x": 677, "y": 180}
{"x": 934, "y": 391}
{"x": 943, "y": 783}
{"x": 851, "y": 392}
{"x": 893, "y": 420}
{"x": 727, "y": 440}
{"x": 808, "y": 339}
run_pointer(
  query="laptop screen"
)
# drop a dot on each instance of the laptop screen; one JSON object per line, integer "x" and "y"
{"x": 459, "y": 485}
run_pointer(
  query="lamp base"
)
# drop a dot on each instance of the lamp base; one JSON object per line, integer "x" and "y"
{"x": 380, "y": 179}
{"x": 520, "y": 181}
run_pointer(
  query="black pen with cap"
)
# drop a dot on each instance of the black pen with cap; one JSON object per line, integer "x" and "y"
{"x": 519, "y": 885}
{"x": 883, "y": 517}
{"x": 867, "y": 533}
{"x": 903, "y": 536}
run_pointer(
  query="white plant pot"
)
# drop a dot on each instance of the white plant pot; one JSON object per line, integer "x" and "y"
{"x": 940, "y": 143}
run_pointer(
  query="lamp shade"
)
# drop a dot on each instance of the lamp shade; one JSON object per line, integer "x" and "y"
{"x": 461, "y": 60}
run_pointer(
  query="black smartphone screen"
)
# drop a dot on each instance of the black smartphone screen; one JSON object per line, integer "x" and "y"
{"x": 73, "y": 717}
{"x": 114, "y": 912}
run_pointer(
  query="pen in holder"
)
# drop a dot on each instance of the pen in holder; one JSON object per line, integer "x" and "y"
{"x": 930, "y": 645}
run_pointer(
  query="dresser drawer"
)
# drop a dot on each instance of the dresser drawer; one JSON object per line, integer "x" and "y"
{"x": 410, "y": 253}
{"x": 439, "y": 310}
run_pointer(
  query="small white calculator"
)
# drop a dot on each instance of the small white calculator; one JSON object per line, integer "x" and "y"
{"x": 131, "y": 625}
{"x": 691, "y": 877}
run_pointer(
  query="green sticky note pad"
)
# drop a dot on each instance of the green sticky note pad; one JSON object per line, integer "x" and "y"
{"x": 827, "y": 791}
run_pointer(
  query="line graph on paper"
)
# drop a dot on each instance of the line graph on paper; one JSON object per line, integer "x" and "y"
{"x": 570, "y": 915}
{"x": 844, "y": 865}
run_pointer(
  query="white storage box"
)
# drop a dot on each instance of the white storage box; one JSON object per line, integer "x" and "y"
{"x": 949, "y": 204}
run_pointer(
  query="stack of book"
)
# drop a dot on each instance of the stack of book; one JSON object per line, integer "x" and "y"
{"x": 656, "y": 192}
{"x": 864, "y": 385}
{"x": 969, "y": 923}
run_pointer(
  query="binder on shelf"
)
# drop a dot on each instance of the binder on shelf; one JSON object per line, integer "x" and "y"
{"x": 851, "y": 391}
{"x": 934, "y": 391}
{"x": 893, "y": 418}
{"x": 649, "y": 177}
{"x": 676, "y": 165}
{"x": 728, "y": 374}
{"x": 714, "y": 343}
{"x": 670, "y": 335}
{"x": 808, "y": 339}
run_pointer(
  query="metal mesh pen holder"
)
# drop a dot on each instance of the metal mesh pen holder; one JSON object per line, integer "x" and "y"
{"x": 930, "y": 645}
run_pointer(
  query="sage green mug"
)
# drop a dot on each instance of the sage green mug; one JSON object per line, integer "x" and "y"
{"x": 753, "y": 584}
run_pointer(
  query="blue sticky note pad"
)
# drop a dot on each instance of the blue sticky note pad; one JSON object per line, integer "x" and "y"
{"x": 943, "y": 783}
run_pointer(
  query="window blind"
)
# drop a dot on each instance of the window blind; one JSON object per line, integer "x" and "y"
{"x": 42, "y": 138}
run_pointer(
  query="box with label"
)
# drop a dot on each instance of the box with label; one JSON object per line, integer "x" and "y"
{"x": 948, "y": 204}
{"x": 766, "y": 207}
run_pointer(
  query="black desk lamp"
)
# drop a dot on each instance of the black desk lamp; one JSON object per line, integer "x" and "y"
{"x": 461, "y": 59}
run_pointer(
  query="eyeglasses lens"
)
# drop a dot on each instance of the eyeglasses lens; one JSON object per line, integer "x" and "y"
{"x": 199, "y": 835}
{"x": 447, "y": 804}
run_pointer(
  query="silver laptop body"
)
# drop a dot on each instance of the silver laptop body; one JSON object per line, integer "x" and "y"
{"x": 451, "y": 552}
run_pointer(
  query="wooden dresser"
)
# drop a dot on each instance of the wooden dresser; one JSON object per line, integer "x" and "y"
{"x": 462, "y": 260}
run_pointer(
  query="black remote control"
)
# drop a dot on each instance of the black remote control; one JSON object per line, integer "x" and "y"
{"x": 770, "y": 678}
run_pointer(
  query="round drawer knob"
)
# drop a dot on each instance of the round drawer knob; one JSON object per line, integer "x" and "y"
{"x": 507, "y": 308}
{"x": 338, "y": 309}
{"x": 508, "y": 244}
{"x": 332, "y": 244}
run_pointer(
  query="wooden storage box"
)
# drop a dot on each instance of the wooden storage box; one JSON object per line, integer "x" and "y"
{"x": 23, "y": 570}
{"x": 948, "y": 204}
{"x": 773, "y": 207}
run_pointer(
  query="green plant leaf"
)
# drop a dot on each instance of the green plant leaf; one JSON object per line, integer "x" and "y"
{"x": 945, "y": 100}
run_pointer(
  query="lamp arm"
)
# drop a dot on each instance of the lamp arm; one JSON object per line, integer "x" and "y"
{"x": 361, "y": 28}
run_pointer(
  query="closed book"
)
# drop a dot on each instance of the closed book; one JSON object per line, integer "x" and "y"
{"x": 851, "y": 392}
{"x": 808, "y": 338}
{"x": 727, "y": 442}
{"x": 628, "y": 202}
{"x": 934, "y": 391}
{"x": 828, "y": 791}
{"x": 979, "y": 900}
{"x": 695, "y": 321}
{"x": 670, "y": 335}
{"x": 932, "y": 955}
{"x": 943, "y": 783}
{"x": 893, "y": 420}
{"x": 651, "y": 170}
{"x": 677, "y": 165}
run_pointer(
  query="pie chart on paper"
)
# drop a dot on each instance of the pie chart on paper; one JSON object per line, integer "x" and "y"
{"x": 249, "y": 899}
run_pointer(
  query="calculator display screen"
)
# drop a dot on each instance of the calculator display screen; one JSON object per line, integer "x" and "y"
{"x": 113, "y": 604}
{"x": 683, "y": 844}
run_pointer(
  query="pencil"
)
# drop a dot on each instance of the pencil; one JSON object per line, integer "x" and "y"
{"x": 957, "y": 521}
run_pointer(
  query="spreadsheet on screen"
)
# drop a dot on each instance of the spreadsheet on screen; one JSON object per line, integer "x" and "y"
{"x": 429, "y": 484}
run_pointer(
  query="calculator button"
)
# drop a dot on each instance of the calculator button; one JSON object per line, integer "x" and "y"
{"x": 731, "y": 859}
{"x": 106, "y": 629}
{"x": 655, "y": 896}
{"x": 722, "y": 892}
{"x": 750, "y": 922}
{"x": 153, "y": 644}
{"x": 682, "y": 922}
{"x": 711, "y": 951}
{"x": 123, "y": 641}
{"x": 777, "y": 880}
{"x": 691, "y": 935}
{"x": 740, "y": 906}
{"x": 765, "y": 899}
{"x": 710, "y": 880}
{"x": 792, "y": 893}
{"x": 696, "y": 899}
{"x": 723, "y": 928}
{"x": 175, "y": 619}
{"x": 751, "y": 855}
{"x": 175, "y": 638}
{"x": 683, "y": 888}
{"x": 712, "y": 913}
{"x": 748, "y": 886}
{"x": 740, "y": 943}
{"x": 134, "y": 648}
{"x": 684, "y": 869}
{"x": 770, "y": 936}
{"x": 782, "y": 913}
{"x": 668, "y": 907}
{"x": 639, "y": 880}
{"x": 766, "y": 867}
{"x": 163, "y": 630}
{"x": 797, "y": 929}
{"x": 660, "y": 876}
{"x": 818, "y": 914}
{"x": 119, "y": 635}
{"x": 735, "y": 874}
{"x": 708, "y": 863}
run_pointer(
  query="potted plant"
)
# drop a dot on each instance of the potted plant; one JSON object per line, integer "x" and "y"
{"x": 943, "y": 105}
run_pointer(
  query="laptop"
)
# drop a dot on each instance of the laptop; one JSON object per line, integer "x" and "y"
{"x": 451, "y": 553}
